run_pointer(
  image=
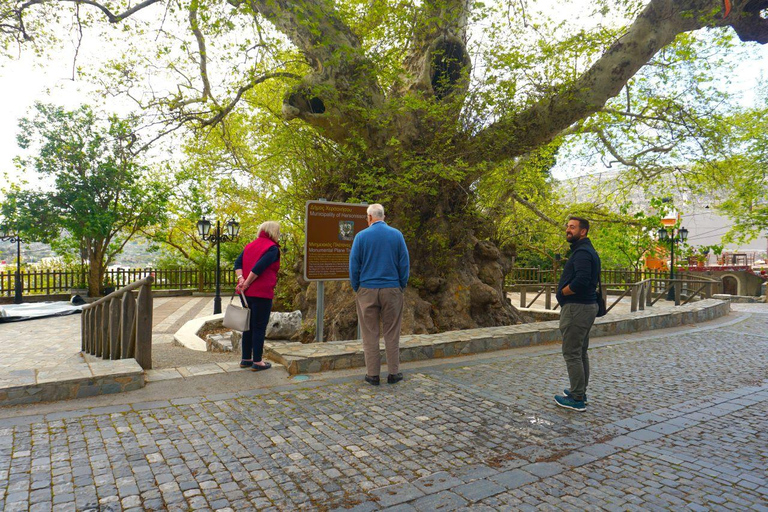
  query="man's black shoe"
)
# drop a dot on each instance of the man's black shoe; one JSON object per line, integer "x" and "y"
{"x": 392, "y": 379}
{"x": 373, "y": 381}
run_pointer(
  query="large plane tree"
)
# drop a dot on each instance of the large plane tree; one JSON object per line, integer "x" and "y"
{"x": 389, "y": 87}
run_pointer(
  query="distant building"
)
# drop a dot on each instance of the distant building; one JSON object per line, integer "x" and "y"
{"x": 696, "y": 213}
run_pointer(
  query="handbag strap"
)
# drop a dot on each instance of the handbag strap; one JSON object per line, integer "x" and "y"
{"x": 245, "y": 302}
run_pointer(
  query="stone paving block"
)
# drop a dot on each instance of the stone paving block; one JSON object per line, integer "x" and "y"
{"x": 625, "y": 442}
{"x": 600, "y": 450}
{"x": 475, "y": 472}
{"x": 644, "y": 435}
{"x": 513, "y": 479}
{"x": 665, "y": 428}
{"x": 403, "y": 507}
{"x": 367, "y": 506}
{"x": 437, "y": 482}
{"x": 478, "y": 490}
{"x": 544, "y": 469}
{"x": 161, "y": 375}
{"x": 396, "y": 494}
{"x": 577, "y": 459}
{"x": 442, "y": 501}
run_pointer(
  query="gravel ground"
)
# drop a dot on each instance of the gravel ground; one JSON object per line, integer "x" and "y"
{"x": 167, "y": 355}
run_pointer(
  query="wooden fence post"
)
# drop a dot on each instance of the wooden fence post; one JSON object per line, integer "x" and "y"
{"x": 114, "y": 329}
{"x": 83, "y": 330}
{"x": 634, "y": 293}
{"x": 522, "y": 296}
{"x": 643, "y": 293}
{"x": 97, "y": 331}
{"x": 104, "y": 310}
{"x": 144, "y": 327}
{"x": 548, "y": 297}
{"x": 92, "y": 330}
{"x": 128, "y": 326}
{"x": 678, "y": 289}
{"x": 604, "y": 290}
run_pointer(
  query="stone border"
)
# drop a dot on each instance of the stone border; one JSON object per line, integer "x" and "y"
{"x": 77, "y": 381}
{"x": 741, "y": 299}
{"x": 337, "y": 355}
{"x": 187, "y": 335}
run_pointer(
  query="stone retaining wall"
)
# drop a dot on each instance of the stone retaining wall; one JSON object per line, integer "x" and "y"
{"x": 77, "y": 381}
{"x": 336, "y": 355}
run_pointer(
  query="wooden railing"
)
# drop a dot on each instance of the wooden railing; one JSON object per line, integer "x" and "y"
{"x": 642, "y": 294}
{"x": 536, "y": 275}
{"x": 119, "y": 326}
{"x": 48, "y": 282}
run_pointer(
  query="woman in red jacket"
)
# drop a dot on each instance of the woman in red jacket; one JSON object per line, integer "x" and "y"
{"x": 262, "y": 257}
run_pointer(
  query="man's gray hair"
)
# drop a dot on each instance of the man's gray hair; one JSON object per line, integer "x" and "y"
{"x": 376, "y": 211}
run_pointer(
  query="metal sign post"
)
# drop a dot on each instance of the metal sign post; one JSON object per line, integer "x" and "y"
{"x": 320, "y": 311}
{"x": 330, "y": 229}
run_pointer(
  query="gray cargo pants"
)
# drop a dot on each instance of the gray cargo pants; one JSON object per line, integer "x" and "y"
{"x": 575, "y": 322}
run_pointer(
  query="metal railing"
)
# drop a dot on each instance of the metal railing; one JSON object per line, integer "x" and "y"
{"x": 642, "y": 294}
{"x": 119, "y": 326}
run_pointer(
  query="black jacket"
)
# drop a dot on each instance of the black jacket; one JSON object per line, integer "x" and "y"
{"x": 581, "y": 272}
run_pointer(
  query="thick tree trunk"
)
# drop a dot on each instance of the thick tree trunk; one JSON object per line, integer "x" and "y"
{"x": 467, "y": 293}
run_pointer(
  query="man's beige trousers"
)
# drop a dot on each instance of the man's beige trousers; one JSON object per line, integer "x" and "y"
{"x": 385, "y": 305}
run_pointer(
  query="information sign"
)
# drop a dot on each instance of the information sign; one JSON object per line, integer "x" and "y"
{"x": 330, "y": 229}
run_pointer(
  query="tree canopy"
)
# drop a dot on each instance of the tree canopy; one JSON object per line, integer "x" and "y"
{"x": 447, "y": 111}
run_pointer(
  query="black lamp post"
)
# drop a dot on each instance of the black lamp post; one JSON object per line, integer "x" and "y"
{"x": 674, "y": 236}
{"x": 232, "y": 228}
{"x": 5, "y": 236}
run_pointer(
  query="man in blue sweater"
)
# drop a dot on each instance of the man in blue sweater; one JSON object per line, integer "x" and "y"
{"x": 577, "y": 296}
{"x": 378, "y": 272}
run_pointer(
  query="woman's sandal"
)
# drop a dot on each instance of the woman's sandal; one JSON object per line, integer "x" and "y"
{"x": 245, "y": 364}
{"x": 258, "y": 367}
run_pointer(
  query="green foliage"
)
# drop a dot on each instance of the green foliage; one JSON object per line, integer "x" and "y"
{"x": 625, "y": 242}
{"x": 89, "y": 191}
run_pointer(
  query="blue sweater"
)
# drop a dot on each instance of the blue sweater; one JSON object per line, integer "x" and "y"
{"x": 379, "y": 258}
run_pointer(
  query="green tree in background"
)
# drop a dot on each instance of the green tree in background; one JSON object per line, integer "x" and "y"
{"x": 89, "y": 190}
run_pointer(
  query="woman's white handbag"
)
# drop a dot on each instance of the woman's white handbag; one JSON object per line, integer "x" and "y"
{"x": 237, "y": 317}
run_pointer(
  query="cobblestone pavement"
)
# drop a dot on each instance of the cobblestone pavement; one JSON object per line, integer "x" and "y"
{"x": 675, "y": 420}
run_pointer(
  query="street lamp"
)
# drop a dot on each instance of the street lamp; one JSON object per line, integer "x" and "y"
{"x": 232, "y": 228}
{"x": 673, "y": 237}
{"x": 6, "y": 236}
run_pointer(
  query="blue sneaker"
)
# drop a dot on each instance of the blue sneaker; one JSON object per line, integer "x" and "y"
{"x": 569, "y": 403}
{"x": 568, "y": 394}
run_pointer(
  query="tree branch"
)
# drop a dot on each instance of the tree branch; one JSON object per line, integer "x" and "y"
{"x": 543, "y": 216}
{"x": 193, "y": 23}
{"x": 656, "y": 26}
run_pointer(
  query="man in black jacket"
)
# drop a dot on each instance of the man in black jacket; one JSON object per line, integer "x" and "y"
{"x": 577, "y": 296}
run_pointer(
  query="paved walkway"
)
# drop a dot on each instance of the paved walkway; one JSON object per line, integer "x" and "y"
{"x": 677, "y": 419}
{"x": 55, "y": 342}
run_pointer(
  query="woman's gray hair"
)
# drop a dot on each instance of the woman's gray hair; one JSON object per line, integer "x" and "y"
{"x": 271, "y": 228}
{"x": 376, "y": 211}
